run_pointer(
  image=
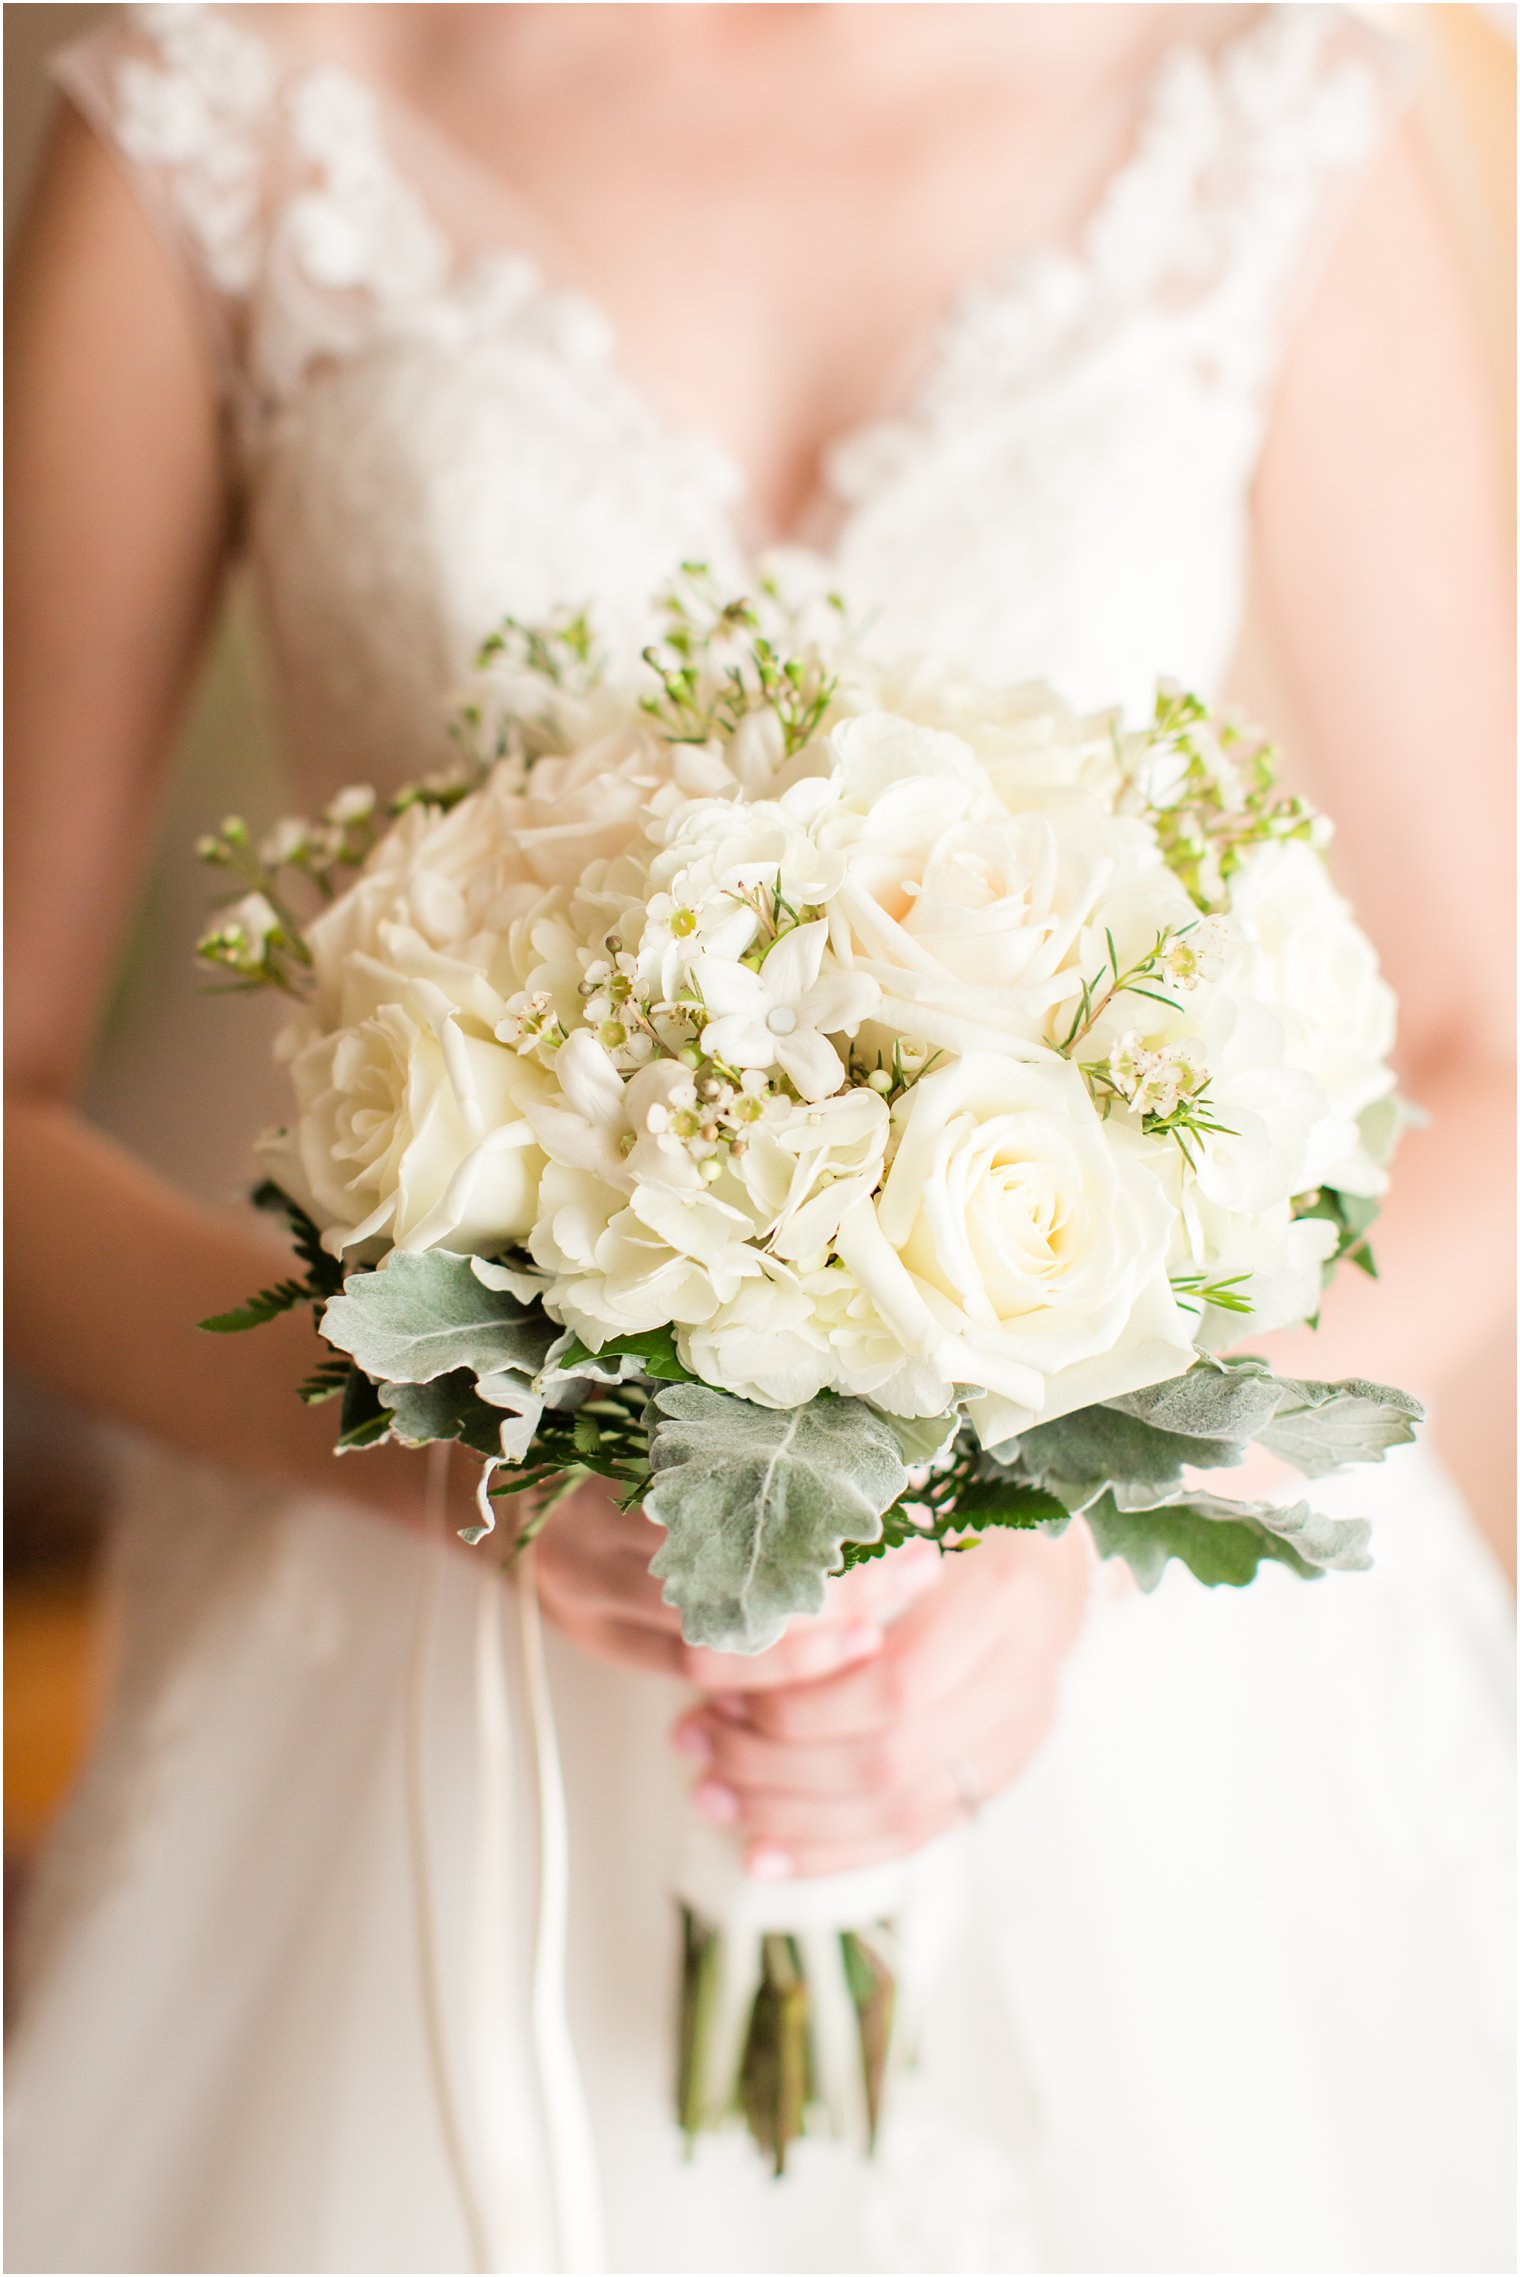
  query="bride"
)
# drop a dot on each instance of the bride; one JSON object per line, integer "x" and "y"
{"x": 1030, "y": 322}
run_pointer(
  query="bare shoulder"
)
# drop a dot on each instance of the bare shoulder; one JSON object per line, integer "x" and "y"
{"x": 82, "y": 216}
{"x": 1394, "y": 301}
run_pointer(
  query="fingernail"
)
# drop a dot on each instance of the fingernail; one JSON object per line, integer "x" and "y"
{"x": 730, "y": 1705}
{"x": 860, "y": 1640}
{"x": 766, "y": 1863}
{"x": 690, "y": 1740}
{"x": 715, "y": 1801}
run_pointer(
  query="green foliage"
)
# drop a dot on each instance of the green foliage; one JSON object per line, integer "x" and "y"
{"x": 758, "y": 1504}
{"x": 1352, "y": 1216}
{"x": 1113, "y": 979}
{"x": 425, "y": 1316}
{"x": 607, "y": 1436}
{"x": 924, "y": 1438}
{"x": 955, "y": 1504}
{"x": 362, "y": 1421}
{"x": 1226, "y": 801}
{"x": 326, "y": 1381}
{"x": 447, "y": 1408}
{"x": 1122, "y": 1465}
{"x": 653, "y": 1348}
{"x": 1215, "y": 1399}
{"x": 563, "y": 652}
{"x": 1319, "y": 1428}
{"x": 1194, "y": 1291}
{"x": 267, "y": 1305}
{"x": 1224, "y": 1543}
{"x": 323, "y": 1274}
{"x": 716, "y": 664}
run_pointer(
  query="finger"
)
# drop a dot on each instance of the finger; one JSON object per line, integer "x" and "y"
{"x": 593, "y": 1550}
{"x": 574, "y": 1571}
{"x": 806, "y": 1835}
{"x": 924, "y": 1655}
{"x": 758, "y": 1772}
{"x": 808, "y": 1652}
{"x": 730, "y": 1750}
{"x": 884, "y": 1586}
{"x": 1021, "y": 1597}
{"x": 640, "y": 1644}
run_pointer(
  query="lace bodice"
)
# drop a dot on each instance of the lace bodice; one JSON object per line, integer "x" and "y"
{"x": 428, "y": 438}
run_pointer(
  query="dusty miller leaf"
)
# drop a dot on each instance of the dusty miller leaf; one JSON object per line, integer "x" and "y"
{"x": 1320, "y": 1428}
{"x": 1098, "y": 1449}
{"x": 1137, "y": 1448}
{"x": 922, "y": 1438}
{"x": 425, "y": 1316}
{"x": 448, "y": 1408}
{"x": 1215, "y": 1400}
{"x": 758, "y": 1503}
{"x": 1223, "y": 1542}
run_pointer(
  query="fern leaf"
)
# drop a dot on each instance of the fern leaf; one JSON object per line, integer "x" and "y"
{"x": 267, "y": 1305}
{"x": 325, "y": 1382}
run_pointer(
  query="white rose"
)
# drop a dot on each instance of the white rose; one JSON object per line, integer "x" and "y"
{"x": 1311, "y": 962}
{"x": 409, "y": 1130}
{"x": 588, "y": 808}
{"x": 454, "y": 883}
{"x": 1030, "y": 742}
{"x": 974, "y": 918}
{"x": 1020, "y": 1243}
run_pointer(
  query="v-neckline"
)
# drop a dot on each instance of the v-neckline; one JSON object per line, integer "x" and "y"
{"x": 1009, "y": 276}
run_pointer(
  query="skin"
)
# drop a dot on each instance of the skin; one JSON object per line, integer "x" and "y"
{"x": 828, "y": 235}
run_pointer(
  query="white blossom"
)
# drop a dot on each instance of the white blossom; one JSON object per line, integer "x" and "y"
{"x": 783, "y": 1014}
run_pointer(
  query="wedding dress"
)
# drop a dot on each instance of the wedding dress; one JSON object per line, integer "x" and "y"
{"x": 1228, "y": 1990}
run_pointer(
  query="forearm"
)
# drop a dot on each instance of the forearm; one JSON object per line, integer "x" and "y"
{"x": 108, "y": 1271}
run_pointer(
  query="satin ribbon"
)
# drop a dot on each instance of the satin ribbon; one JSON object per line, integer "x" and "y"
{"x": 574, "y": 2192}
{"x": 919, "y": 1896}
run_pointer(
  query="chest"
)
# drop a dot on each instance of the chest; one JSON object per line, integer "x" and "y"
{"x": 776, "y": 235}
{"x": 439, "y": 432}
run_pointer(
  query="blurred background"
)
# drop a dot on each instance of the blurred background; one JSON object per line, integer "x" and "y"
{"x": 157, "y": 1031}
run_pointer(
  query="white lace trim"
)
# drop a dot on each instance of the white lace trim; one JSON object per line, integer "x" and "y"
{"x": 291, "y": 201}
{"x": 1197, "y": 234}
{"x": 195, "y": 112}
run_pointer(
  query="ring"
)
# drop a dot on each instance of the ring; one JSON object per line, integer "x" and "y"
{"x": 965, "y": 1787}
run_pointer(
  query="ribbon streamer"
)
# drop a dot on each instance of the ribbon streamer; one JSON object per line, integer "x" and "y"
{"x": 574, "y": 2191}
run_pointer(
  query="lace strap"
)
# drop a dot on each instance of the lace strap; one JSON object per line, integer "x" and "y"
{"x": 274, "y": 185}
{"x": 1242, "y": 164}
{"x": 185, "y": 97}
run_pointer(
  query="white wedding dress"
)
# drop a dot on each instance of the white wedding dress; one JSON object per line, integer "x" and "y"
{"x": 1229, "y": 1993}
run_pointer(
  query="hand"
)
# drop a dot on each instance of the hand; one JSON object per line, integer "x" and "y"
{"x": 594, "y": 1581}
{"x": 872, "y": 1762}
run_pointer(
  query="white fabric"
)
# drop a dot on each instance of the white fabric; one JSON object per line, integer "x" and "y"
{"x": 1230, "y": 1990}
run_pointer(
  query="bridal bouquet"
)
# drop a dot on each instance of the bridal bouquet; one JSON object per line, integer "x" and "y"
{"x": 839, "y": 1105}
